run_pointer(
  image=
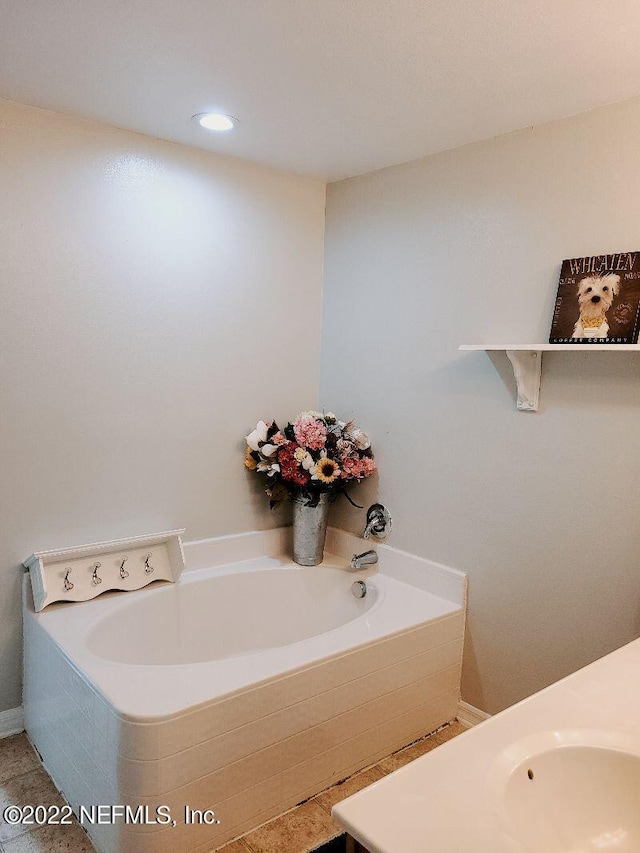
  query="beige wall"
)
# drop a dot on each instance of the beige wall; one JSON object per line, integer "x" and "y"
{"x": 155, "y": 301}
{"x": 542, "y": 510}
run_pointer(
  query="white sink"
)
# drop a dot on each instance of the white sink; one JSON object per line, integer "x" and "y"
{"x": 581, "y": 740}
{"x": 580, "y": 794}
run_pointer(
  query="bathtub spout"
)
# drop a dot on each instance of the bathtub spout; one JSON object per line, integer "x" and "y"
{"x": 368, "y": 558}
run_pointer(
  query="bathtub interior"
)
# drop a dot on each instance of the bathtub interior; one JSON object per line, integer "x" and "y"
{"x": 226, "y": 615}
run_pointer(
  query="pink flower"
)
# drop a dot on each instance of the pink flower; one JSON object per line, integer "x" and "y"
{"x": 354, "y": 467}
{"x": 279, "y": 439}
{"x": 368, "y": 466}
{"x": 351, "y": 467}
{"x": 310, "y": 433}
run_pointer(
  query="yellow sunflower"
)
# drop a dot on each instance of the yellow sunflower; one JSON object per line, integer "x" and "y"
{"x": 327, "y": 471}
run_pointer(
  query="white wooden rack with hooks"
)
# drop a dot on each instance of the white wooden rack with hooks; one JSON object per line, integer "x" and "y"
{"x": 82, "y": 573}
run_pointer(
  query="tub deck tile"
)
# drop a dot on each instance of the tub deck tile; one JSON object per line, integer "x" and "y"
{"x": 409, "y": 753}
{"x": 327, "y": 799}
{"x": 304, "y": 828}
{"x": 23, "y": 781}
{"x": 448, "y": 732}
{"x": 51, "y": 839}
{"x": 33, "y": 788}
{"x": 235, "y": 847}
{"x": 17, "y": 756}
{"x": 421, "y": 747}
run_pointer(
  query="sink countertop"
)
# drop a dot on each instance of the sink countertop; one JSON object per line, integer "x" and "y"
{"x": 451, "y": 800}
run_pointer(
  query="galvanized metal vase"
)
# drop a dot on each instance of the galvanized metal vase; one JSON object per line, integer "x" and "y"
{"x": 309, "y": 530}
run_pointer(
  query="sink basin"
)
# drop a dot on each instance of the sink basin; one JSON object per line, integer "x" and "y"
{"x": 575, "y": 797}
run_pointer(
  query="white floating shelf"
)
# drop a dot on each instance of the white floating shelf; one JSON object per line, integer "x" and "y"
{"x": 550, "y": 347}
{"x": 526, "y": 360}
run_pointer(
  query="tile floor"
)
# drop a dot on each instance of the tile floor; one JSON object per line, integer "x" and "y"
{"x": 23, "y": 781}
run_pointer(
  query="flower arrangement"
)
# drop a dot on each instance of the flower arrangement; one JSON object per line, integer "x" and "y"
{"x": 315, "y": 454}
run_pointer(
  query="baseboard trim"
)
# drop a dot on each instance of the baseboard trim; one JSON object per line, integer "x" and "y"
{"x": 11, "y": 722}
{"x": 469, "y": 716}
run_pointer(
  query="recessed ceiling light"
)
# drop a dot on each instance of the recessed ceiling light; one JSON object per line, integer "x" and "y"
{"x": 215, "y": 121}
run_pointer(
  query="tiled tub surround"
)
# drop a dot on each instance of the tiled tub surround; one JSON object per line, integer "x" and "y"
{"x": 253, "y": 734}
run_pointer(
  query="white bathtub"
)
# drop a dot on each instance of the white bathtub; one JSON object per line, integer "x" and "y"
{"x": 244, "y": 689}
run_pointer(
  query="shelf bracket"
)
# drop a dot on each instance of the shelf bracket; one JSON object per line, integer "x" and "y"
{"x": 527, "y": 366}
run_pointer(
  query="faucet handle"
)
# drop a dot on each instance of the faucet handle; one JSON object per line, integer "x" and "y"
{"x": 378, "y": 522}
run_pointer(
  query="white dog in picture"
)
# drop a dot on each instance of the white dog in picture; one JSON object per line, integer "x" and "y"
{"x": 595, "y": 295}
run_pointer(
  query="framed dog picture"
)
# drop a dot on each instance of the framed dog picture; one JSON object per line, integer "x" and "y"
{"x": 598, "y": 300}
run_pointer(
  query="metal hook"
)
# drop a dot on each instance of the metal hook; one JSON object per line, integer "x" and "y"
{"x": 67, "y": 583}
{"x": 123, "y": 572}
{"x": 95, "y": 580}
{"x": 148, "y": 569}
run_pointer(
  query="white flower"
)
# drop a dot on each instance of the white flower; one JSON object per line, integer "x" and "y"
{"x": 259, "y": 434}
{"x": 268, "y": 468}
{"x": 305, "y": 459}
{"x": 268, "y": 449}
{"x": 345, "y": 447}
{"x": 360, "y": 439}
{"x": 317, "y": 415}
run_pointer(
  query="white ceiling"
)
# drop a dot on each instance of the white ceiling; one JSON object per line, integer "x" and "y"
{"x": 328, "y": 88}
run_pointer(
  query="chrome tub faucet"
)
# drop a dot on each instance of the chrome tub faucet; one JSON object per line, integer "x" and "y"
{"x": 367, "y": 558}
